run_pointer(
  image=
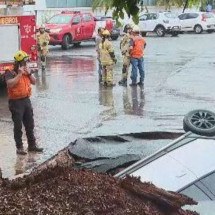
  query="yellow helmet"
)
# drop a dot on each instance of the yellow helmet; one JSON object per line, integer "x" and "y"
{"x": 20, "y": 56}
{"x": 105, "y": 33}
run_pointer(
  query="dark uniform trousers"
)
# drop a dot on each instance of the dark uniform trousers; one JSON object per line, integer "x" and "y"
{"x": 22, "y": 113}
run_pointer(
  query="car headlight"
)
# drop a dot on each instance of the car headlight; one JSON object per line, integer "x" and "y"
{"x": 56, "y": 30}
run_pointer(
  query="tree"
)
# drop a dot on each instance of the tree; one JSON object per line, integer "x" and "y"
{"x": 131, "y": 7}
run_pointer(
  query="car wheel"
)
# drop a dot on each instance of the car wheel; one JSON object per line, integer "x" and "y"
{"x": 174, "y": 34}
{"x": 200, "y": 122}
{"x": 114, "y": 37}
{"x": 198, "y": 29}
{"x": 210, "y": 31}
{"x": 160, "y": 31}
{"x": 66, "y": 42}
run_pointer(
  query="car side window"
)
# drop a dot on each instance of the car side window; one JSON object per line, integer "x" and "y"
{"x": 194, "y": 192}
{"x": 143, "y": 17}
{"x": 77, "y": 19}
{"x": 182, "y": 16}
{"x": 192, "y": 15}
{"x": 87, "y": 18}
{"x": 151, "y": 16}
{"x": 209, "y": 182}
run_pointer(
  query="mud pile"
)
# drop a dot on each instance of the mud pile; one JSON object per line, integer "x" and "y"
{"x": 65, "y": 190}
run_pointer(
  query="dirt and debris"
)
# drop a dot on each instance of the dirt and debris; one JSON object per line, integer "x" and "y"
{"x": 65, "y": 190}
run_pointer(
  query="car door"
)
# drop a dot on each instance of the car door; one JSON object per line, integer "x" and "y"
{"x": 184, "y": 21}
{"x": 76, "y": 29}
{"x": 152, "y": 21}
{"x": 148, "y": 22}
{"x": 192, "y": 20}
{"x": 143, "y": 23}
{"x": 88, "y": 25}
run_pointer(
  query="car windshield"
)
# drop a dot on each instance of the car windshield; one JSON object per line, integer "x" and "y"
{"x": 170, "y": 15}
{"x": 60, "y": 19}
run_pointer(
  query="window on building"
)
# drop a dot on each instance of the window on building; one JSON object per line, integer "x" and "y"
{"x": 68, "y": 3}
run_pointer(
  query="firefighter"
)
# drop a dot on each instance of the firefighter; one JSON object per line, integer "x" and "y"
{"x": 137, "y": 46}
{"x": 98, "y": 41}
{"x": 107, "y": 58}
{"x": 125, "y": 50}
{"x": 19, "y": 91}
{"x": 42, "y": 42}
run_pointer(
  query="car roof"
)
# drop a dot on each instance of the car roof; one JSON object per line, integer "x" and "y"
{"x": 177, "y": 168}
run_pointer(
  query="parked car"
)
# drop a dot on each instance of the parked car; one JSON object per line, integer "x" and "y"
{"x": 160, "y": 23}
{"x": 197, "y": 22}
{"x": 71, "y": 27}
{"x": 110, "y": 24}
{"x": 187, "y": 165}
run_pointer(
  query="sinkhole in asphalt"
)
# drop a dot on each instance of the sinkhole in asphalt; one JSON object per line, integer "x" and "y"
{"x": 109, "y": 154}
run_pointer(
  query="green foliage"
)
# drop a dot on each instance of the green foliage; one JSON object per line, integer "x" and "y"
{"x": 131, "y": 7}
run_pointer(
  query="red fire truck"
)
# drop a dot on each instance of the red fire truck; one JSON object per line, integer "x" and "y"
{"x": 17, "y": 33}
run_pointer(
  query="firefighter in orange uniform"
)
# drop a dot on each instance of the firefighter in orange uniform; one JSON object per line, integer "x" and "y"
{"x": 42, "y": 42}
{"x": 19, "y": 91}
{"x": 137, "y": 46}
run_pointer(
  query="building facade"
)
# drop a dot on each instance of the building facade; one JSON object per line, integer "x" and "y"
{"x": 68, "y": 3}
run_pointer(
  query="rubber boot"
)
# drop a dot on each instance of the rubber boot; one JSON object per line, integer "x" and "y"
{"x": 35, "y": 148}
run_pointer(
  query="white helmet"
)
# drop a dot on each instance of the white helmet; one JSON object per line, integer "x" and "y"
{"x": 136, "y": 28}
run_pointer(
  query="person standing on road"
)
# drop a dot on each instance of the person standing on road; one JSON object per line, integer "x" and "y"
{"x": 19, "y": 91}
{"x": 125, "y": 50}
{"x": 42, "y": 42}
{"x": 137, "y": 46}
{"x": 107, "y": 58}
{"x": 98, "y": 41}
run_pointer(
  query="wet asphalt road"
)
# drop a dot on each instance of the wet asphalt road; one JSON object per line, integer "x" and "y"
{"x": 68, "y": 102}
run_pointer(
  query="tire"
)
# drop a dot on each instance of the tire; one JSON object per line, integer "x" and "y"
{"x": 210, "y": 31}
{"x": 175, "y": 34}
{"x": 201, "y": 122}
{"x": 160, "y": 31}
{"x": 198, "y": 29}
{"x": 66, "y": 42}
